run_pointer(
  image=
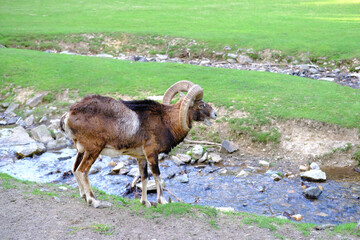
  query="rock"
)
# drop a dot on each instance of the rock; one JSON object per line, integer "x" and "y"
{"x": 57, "y": 199}
{"x": 36, "y": 100}
{"x": 5, "y": 104}
{"x": 303, "y": 168}
{"x": 203, "y": 158}
{"x": 324, "y": 226}
{"x": 232, "y": 55}
{"x": 177, "y": 161}
{"x": 244, "y": 60}
{"x": 264, "y": 163}
{"x": 313, "y": 175}
{"x": 140, "y": 59}
{"x": 230, "y": 60}
{"x": 151, "y": 185}
{"x": 42, "y": 134}
{"x": 197, "y": 152}
{"x": 276, "y": 177}
{"x": 11, "y": 108}
{"x": 21, "y": 144}
{"x": 312, "y": 192}
{"x": 29, "y": 120}
{"x": 228, "y": 146}
{"x": 184, "y": 158}
{"x": 104, "y": 55}
{"x": 62, "y": 188}
{"x": 2, "y": 46}
{"x": 68, "y": 52}
{"x": 242, "y": 173}
{"x": 28, "y": 150}
{"x": 214, "y": 158}
{"x": 162, "y": 156}
{"x": 119, "y": 166}
{"x": 162, "y": 57}
{"x": 227, "y": 48}
{"x": 225, "y": 209}
{"x": 329, "y": 79}
{"x": 12, "y": 120}
{"x": 134, "y": 172}
{"x": 183, "y": 178}
{"x": 314, "y": 166}
{"x": 43, "y": 119}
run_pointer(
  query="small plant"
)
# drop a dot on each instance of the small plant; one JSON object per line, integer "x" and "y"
{"x": 49, "y": 98}
{"x": 356, "y": 157}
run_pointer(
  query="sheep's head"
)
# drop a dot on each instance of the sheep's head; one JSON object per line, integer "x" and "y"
{"x": 192, "y": 105}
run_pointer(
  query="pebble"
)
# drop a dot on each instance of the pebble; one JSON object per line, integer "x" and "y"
{"x": 264, "y": 163}
{"x": 276, "y": 177}
{"x": 242, "y": 173}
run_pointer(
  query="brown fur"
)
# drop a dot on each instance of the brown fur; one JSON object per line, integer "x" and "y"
{"x": 97, "y": 122}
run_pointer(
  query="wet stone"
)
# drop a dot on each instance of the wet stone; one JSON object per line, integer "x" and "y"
{"x": 184, "y": 158}
{"x": 42, "y": 134}
{"x": 183, "y": 178}
{"x": 177, "y": 160}
{"x": 312, "y": 192}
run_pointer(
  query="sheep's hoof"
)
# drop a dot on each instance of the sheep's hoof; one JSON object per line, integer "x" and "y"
{"x": 162, "y": 200}
{"x": 146, "y": 203}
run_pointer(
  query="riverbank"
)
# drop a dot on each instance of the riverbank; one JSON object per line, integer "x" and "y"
{"x": 33, "y": 211}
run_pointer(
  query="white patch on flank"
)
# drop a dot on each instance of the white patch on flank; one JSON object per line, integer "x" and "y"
{"x": 130, "y": 123}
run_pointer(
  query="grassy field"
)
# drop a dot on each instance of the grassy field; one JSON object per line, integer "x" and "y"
{"x": 260, "y": 93}
{"x": 322, "y": 27}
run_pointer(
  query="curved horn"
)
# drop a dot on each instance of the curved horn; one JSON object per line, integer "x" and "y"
{"x": 195, "y": 93}
{"x": 180, "y": 86}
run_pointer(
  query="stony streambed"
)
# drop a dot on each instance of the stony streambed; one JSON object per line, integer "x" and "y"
{"x": 202, "y": 185}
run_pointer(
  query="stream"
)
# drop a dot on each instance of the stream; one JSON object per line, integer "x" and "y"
{"x": 207, "y": 185}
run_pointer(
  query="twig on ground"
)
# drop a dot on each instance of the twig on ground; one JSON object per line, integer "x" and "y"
{"x": 172, "y": 194}
{"x": 201, "y": 142}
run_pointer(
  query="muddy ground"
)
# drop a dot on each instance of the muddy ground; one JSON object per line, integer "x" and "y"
{"x": 33, "y": 211}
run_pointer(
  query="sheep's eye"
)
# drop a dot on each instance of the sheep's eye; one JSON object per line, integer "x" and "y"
{"x": 202, "y": 105}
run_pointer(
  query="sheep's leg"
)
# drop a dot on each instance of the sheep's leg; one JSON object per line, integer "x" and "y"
{"x": 82, "y": 172}
{"x": 77, "y": 162}
{"x": 154, "y": 166}
{"x": 142, "y": 162}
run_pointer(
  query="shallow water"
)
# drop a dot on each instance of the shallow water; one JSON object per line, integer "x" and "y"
{"x": 256, "y": 193}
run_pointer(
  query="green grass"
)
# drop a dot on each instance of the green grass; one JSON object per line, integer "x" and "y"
{"x": 273, "y": 223}
{"x": 322, "y": 27}
{"x": 264, "y": 95}
{"x": 96, "y": 227}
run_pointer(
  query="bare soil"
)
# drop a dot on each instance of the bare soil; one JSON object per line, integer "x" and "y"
{"x": 31, "y": 211}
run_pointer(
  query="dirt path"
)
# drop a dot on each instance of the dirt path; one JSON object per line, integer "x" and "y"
{"x": 35, "y": 211}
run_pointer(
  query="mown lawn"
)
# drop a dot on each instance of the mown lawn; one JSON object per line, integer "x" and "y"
{"x": 260, "y": 93}
{"x": 322, "y": 27}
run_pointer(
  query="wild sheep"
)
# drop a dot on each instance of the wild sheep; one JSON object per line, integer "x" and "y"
{"x": 141, "y": 129}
